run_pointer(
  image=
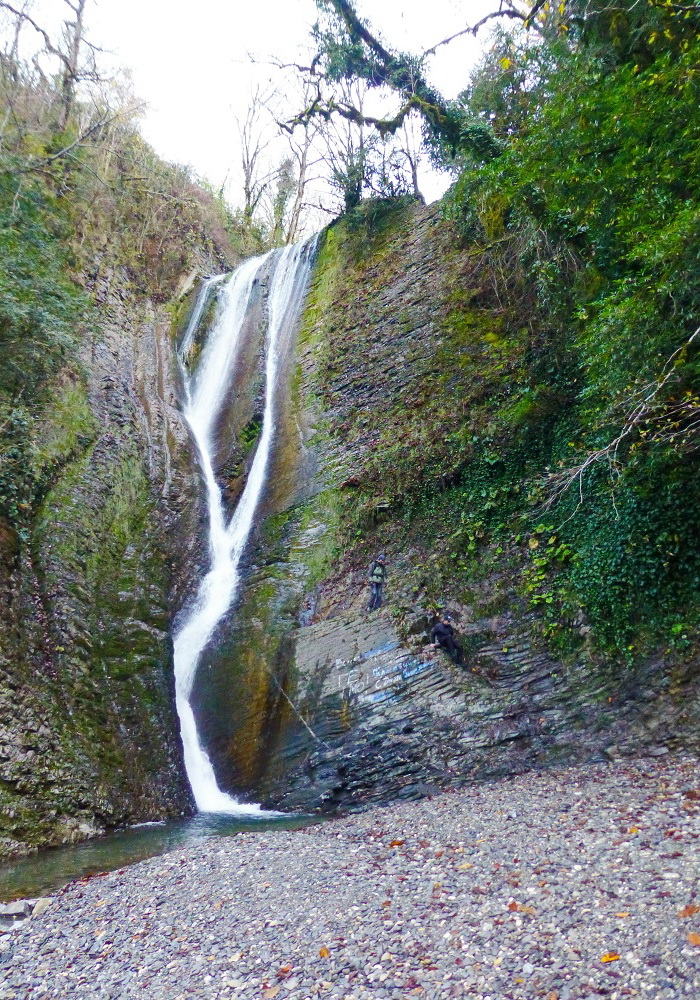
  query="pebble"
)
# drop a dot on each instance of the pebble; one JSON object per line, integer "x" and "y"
{"x": 567, "y": 885}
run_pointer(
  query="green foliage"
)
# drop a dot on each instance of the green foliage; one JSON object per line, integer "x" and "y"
{"x": 554, "y": 439}
{"x": 38, "y": 300}
{"x": 40, "y": 308}
{"x": 592, "y": 213}
{"x": 76, "y": 205}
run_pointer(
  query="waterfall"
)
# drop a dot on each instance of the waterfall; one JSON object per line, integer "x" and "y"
{"x": 196, "y": 317}
{"x": 204, "y": 396}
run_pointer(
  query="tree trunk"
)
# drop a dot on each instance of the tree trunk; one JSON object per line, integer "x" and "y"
{"x": 74, "y": 38}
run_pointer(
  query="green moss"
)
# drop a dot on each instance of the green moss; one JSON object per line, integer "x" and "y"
{"x": 67, "y": 427}
{"x": 249, "y": 434}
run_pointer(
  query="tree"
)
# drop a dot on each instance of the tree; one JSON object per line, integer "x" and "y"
{"x": 255, "y": 136}
{"x": 67, "y": 53}
{"x": 347, "y": 50}
{"x": 346, "y": 149}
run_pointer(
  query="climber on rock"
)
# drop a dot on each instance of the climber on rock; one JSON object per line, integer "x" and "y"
{"x": 377, "y": 576}
{"x": 443, "y": 634}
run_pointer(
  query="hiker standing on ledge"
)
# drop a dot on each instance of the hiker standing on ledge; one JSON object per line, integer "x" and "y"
{"x": 443, "y": 634}
{"x": 377, "y": 576}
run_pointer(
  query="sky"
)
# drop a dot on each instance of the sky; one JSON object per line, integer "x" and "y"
{"x": 191, "y": 62}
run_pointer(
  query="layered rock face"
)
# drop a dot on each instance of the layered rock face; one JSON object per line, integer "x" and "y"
{"x": 330, "y": 707}
{"x": 88, "y": 731}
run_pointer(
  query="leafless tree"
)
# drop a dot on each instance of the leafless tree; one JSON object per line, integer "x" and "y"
{"x": 74, "y": 54}
{"x": 256, "y": 133}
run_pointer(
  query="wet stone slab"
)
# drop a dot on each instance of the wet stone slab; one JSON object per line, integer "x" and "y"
{"x": 375, "y": 718}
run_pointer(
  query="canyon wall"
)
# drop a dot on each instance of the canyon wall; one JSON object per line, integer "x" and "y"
{"x": 88, "y": 731}
{"x": 404, "y": 364}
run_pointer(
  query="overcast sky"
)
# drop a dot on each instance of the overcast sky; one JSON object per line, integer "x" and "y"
{"x": 191, "y": 60}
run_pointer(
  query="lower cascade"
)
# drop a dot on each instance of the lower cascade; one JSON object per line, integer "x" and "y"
{"x": 205, "y": 392}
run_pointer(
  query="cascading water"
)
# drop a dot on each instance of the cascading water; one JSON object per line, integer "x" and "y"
{"x": 205, "y": 393}
{"x": 202, "y": 301}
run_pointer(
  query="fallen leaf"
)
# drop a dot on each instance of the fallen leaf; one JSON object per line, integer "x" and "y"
{"x": 610, "y": 956}
{"x": 271, "y": 992}
{"x": 689, "y": 911}
{"x": 625, "y": 914}
{"x": 387, "y": 902}
{"x": 552, "y": 996}
{"x": 521, "y": 908}
{"x": 633, "y": 829}
{"x": 694, "y": 938}
{"x": 692, "y": 793}
{"x": 397, "y": 843}
{"x": 284, "y": 972}
{"x": 324, "y": 952}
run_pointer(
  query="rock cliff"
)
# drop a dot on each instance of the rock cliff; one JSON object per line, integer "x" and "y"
{"x": 403, "y": 363}
{"x": 89, "y": 736}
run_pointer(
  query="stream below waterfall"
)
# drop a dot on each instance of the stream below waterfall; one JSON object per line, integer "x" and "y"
{"x": 43, "y": 873}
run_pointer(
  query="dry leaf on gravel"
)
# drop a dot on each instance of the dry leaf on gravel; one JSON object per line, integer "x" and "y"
{"x": 397, "y": 843}
{"x": 694, "y": 938}
{"x": 610, "y": 956}
{"x": 324, "y": 952}
{"x": 271, "y": 993}
{"x": 521, "y": 908}
{"x": 624, "y": 914}
{"x": 689, "y": 911}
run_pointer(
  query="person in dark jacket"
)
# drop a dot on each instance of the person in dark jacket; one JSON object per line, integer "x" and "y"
{"x": 377, "y": 576}
{"x": 443, "y": 634}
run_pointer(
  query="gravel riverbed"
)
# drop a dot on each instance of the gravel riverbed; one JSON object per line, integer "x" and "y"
{"x": 570, "y": 884}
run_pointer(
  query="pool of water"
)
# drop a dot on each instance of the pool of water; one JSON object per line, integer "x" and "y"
{"x": 41, "y": 874}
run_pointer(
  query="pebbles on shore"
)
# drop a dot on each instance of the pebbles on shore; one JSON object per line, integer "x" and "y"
{"x": 568, "y": 885}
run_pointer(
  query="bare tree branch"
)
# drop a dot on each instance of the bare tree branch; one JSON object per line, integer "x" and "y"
{"x": 23, "y": 16}
{"x": 644, "y": 412}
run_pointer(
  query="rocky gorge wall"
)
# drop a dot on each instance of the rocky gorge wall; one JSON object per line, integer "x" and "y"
{"x": 403, "y": 341}
{"x": 88, "y": 731}
{"x": 389, "y": 400}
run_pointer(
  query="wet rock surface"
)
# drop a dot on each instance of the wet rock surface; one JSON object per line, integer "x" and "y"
{"x": 570, "y": 884}
{"x": 376, "y": 718}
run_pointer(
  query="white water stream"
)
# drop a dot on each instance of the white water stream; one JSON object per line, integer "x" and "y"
{"x": 205, "y": 394}
{"x": 197, "y": 312}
